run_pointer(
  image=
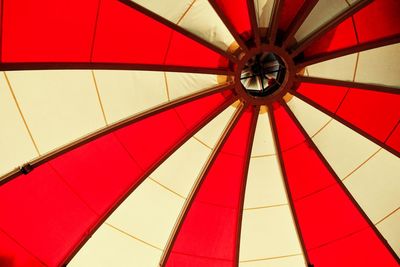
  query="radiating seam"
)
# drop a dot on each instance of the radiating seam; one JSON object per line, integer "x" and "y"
{"x": 165, "y": 187}
{"x": 166, "y": 86}
{"x": 184, "y": 13}
{"x": 387, "y": 216}
{"x": 266, "y": 207}
{"x": 271, "y": 258}
{"x": 360, "y": 165}
{"x": 20, "y": 113}
{"x": 132, "y": 236}
{"x": 99, "y": 98}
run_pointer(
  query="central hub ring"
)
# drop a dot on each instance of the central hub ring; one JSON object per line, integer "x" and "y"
{"x": 266, "y": 73}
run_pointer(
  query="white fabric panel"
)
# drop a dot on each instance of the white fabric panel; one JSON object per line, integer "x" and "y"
{"x": 268, "y": 233}
{"x": 263, "y": 11}
{"x": 390, "y": 230}
{"x": 208, "y": 135}
{"x": 181, "y": 84}
{"x": 196, "y": 16}
{"x": 59, "y": 105}
{"x": 149, "y": 213}
{"x": 344, "y": 149}
{"x": 193, "y": 154}
{"x": 124, "y": 93}
{"x": 376, "y": 185}
{"x": 202, "y": 20}
{"x": 293, "y": 261}
{"x": 312, "y": 121}
{"x": 16, "y": 146}
{"x": 110, "y": 247}
{"x": 171, "y": 10}
{"x": 323, "y": 12}
{"x": 380, "y": 66}
{"x": 264, "y": 183}
{"x": 263, "y": 143}
{"x": 341, "y": 68}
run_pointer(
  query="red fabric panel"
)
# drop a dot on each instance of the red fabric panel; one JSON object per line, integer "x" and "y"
{"x": 50, "y": 210}
{"x": 48, "y": 30}
{"x": 376, "y": 113}
{"x": 54, "y": 31}
{"x": 327, "y": 96}
{"x": 128, "y": 36}
{"x": 340, "y": 37}
{"x": 394, "y": 138}
{"x": 236, "y": 12}
{"x": 362, "y": 108}
{"x": 147, "y": 140}
{"x": 43, "y": 214}
{"x": 209, "y": 230}
{"x": 289, "y": 11}
{"x": 13, "y": 255}
{"x": 106, "y": 162}
{"x": 377, "y": 20}
{"x": 327, "y": 217}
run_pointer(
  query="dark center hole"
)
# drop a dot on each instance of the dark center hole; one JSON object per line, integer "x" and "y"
{"x": 263, "y": 74}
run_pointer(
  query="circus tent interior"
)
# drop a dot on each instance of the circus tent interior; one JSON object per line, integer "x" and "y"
{"x": 200, "y": 133}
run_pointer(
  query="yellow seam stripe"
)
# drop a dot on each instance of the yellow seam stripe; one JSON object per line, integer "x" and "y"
{"x": 20, "y": 112}
{"x": 134, "y": 237}
{"x": 99, "y": 98}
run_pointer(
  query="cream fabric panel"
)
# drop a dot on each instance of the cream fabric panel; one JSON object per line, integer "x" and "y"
{"x": 323, "y": 12}
{"x": 292, "y": 261}
{"x": 376, "y": 66}
{"x": 312, "y": 121}
{"x": 263, "y": 142}
{"x": 171, "y": 10}
{"x": 390, "y": 229}
{"x": 268, "y": 233}
{"x": 263, "y": 11}
{"x": 344, "y": 149}
{"x": 268, "y": 229}
{"x": 341, "y": 68}
{"x": 370, "y": 173}
{"x": 264, "y": 183}
{"x": 208, "y": 135}
{"x": 59, "y": 105}
{"x": 196, "y": 16}
{"x": 380, "y": 66}
{"x": 124, "y": 93}
{"x": 181, "y": 84}
{"x": 149, "y": 213}
{"x": 16, "y": 147}
{"x": 193, "y": 154}
{"x": 264, "y": 180}
{"x": 376, "y": 185}
{"x": 110, "y": 247}
{"x": 202, "y": 20}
